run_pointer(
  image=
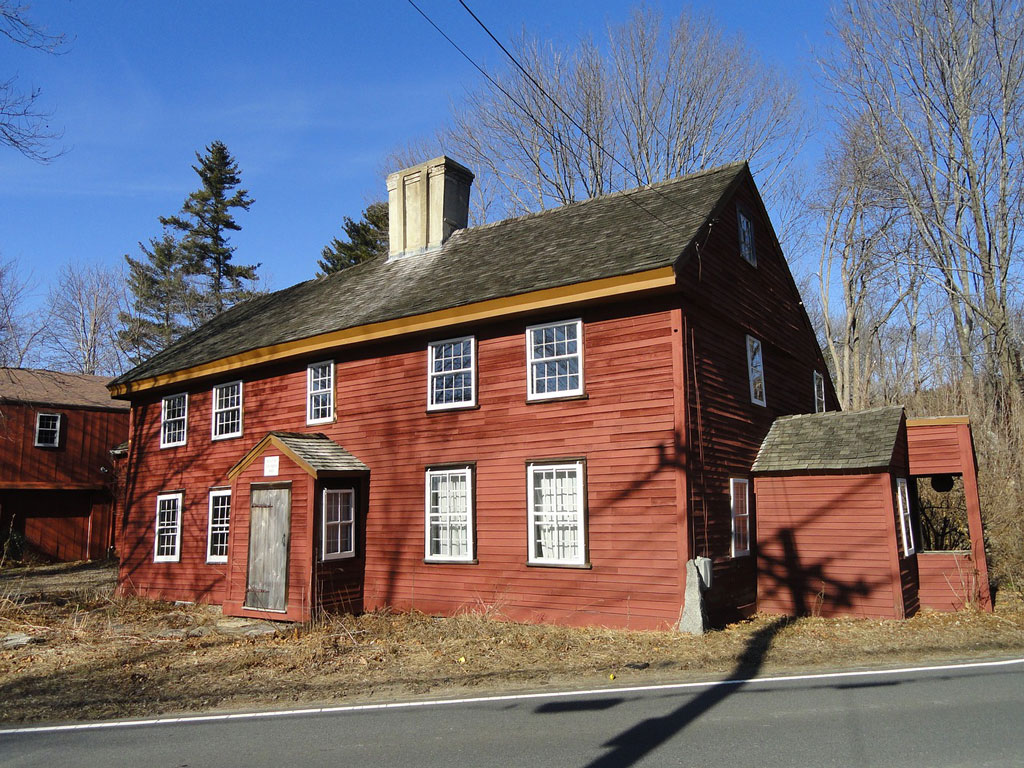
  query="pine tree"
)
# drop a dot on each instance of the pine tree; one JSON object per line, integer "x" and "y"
{"x": 205, "y": 223}
{"x": 366, "y": 238}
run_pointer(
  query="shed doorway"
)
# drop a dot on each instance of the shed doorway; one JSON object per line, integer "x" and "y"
{"x": 269, "y": 525}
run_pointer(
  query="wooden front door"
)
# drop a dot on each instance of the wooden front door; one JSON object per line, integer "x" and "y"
{"x": 269, "y": 525}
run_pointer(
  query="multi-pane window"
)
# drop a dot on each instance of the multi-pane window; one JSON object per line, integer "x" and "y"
{"x": 556, "y": 521}
{"x": 451, "y": 379}
{"x": 755, "y": 371}
{"x": 555, "y": 358}
{"x": 220, "y": 524}
{"x": 819, "y": 393}
{"x": 906, "y": 528}
{"x": 320, "y": 392}
{"x": 746, "y": 228}
{"x": 227, "y": 410}
{"x": 47, "y": 430}
{"x": 167, "y": 541}
{"x": 339, "y": 523}
{"x": 739, "y": 499}
{"x": 173, "y": 419}
{"x": 449, "y": 531}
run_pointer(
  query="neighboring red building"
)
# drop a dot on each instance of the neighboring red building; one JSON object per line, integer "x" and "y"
{"x": 545, "y": 417}
{"x": 56, "y": 471}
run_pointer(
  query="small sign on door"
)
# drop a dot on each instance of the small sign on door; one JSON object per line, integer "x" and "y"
{"x": 271, "y": 466}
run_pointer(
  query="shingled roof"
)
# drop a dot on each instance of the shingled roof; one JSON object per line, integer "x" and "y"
{"x": 53, "y": 388}
{"x": 608, "y": 236}
{"x": 320, "y": 452}
{"x": 852, "y": 440}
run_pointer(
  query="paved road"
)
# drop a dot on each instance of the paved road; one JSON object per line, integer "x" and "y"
{"x": 941, "y": 717}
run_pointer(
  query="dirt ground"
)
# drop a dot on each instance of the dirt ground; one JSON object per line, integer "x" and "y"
{"x": 69, "y": 650}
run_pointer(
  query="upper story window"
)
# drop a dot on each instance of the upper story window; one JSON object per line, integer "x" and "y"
{"x": 755, "y": 371}
{"x": 554, "y": 353}
{"x": 219, "y": 526}
{"x": 47, "y": 430}
{"x": 746, "y": 229}
{"x": 167, "y": 538}
{"x": 227, "y": 410}
{"x": 451, "y": 379}
{"x": 320, "y": 392}
{"x": 556, "y": 514}
{"x": 906, "y": 528}
{"x": 739, "y": 500}
{"x": 173, "y": 420}
{"x": 819, "y": 393}
{"x": 339, "y": 524}
{"x": 449, "y": 526}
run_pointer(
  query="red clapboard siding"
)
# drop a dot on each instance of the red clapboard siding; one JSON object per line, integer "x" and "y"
{"x": 948, "y": 580}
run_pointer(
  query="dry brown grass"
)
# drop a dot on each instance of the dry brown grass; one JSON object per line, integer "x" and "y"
{"x": 105, "y": 657}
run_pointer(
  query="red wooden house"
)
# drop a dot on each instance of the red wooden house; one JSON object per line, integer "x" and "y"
{"x": 547, "y": 417}
{"x": 56, "y": 471}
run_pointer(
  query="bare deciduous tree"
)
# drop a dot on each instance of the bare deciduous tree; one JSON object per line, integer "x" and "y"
{"x": 20, "y": 329}
{"x": 81, "y": 331}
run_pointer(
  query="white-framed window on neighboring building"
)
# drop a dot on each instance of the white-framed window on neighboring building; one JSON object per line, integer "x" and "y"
{"x": 755, "y": 370}
{"x": 173, "y": 420}
{"x": 320, "y": 392}
{"x": 167, "y": 534}
{"x": 746, "y": 231}
{"x": 451, "y": 374}
{"x": 556, "y": 503}
{"x": 739, "y": 501}
{"x": 227, "y": 410}
{"x": 819, "y": 393}
{"x": 906, "y": 527}
{"x": 48, "y": 430}
{"x": 339, "y": 524}
{"x": 554, "y": 353}
{"x": 449, "y": 514}
{"x": 219, "y": 526}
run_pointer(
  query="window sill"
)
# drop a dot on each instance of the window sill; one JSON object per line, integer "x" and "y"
{"x": 334, "y": 558}
{"x": 456, "y": 408}
{"x": 571, "y": 566}
{"x": 436, "y": 561}
{"x": 561, "y": 399}
{"x": 215, "y": 438}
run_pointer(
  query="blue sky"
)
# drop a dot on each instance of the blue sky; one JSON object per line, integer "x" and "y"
{"x": 309, "y": 98}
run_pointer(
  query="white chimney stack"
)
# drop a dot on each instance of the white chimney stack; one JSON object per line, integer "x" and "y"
{"x": 426, "y": 203}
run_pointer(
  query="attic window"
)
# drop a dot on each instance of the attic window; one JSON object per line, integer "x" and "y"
{"x": 819, "y": 393}
{"x": 47, "y": 430}
{"x": 755, "y": 371}
{"x": 746, "y": 230}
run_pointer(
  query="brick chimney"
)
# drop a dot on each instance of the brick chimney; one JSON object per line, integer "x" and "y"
{"x": 426, "y": 203}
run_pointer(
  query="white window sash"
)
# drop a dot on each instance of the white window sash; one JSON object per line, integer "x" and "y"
{"x": 311, "y": 393}
{"x": 448, "y": 519}
{"x": 746, "y": 232}
{"x": 347, "y": 501}
{"x": 532, "y": 393}
{"x": 819, "y": 393}
{"x": 217, "y": 410}
{"x": 562, "y": 530}
{"x": 167, "y": 422}
{"x": 906, "y": 528}
{"x": 173, "y": 527}
{"x": 432, "y": 375}
{"x": 740, "y": 516}
{"x": 55, "y": 429}
{"x": 217, "y": 529}
{"x": 755, "y": 370}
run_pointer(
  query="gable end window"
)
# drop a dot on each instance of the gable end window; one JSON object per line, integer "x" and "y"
{"x": 227, "y": 410}
{"x": 219, "y": 526}
{"x": 47, "y": 430}
{"x": 819, "y": 393}
{"x": 167, "y": 538}
{"x": 173, "y": 420}
{"x": 320, "y": 392}
{"x": 554, "y": 353}
{"x": 449, "y": 523}
{"x": 755, "y": 371}
{"x": 338, "y": 531}
{"x": 739, "y": 500}
{"x": 451, "y": 377}
{"x": 746, "y": 230}
{"x": 906, "y": 528}
{"x": 557, "y": 529}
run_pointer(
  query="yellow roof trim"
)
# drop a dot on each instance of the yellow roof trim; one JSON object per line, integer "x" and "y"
{"x": 260, "y": 447}
{"x": 483, "y": 310}
{"x": 938, "y": 421}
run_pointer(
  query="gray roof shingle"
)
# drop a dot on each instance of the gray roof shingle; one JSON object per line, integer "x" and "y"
{"x": 320, "y": 452}
{"x": 848, "y": 440}
{"x": 53, "y": 388}
{"x": 603, "y": 237}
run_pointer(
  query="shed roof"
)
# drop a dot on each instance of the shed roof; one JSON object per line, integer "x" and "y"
{"x": 849, "y": 440}
{"x": 53, "y": 388}
{"x": 615, "y": 235}
{"x": 315, "y": 452}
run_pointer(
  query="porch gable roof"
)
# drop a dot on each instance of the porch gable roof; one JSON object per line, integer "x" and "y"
{"x": 316, "y": 453}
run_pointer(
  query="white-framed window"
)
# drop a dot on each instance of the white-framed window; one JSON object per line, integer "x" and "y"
{"x": 339, "y": 523}
{"x": 167, "y": 538}
{"x": 554, "y": 353}
{"x": 739, "y": 501}
{"x": 173, "y": 420}
{"x": 449, "y": 510}
{"x": 320, "y": 392}
{"x": 451, "y": 374}
{"x": 906, "y": 528}
{"x": 819, "y": 393}
{"x": 755, "y": 371}
{"x": 219, "y": 526}
{"x": 47, "y": 430}
{"x": 227, "y": 410}
{"x": 746, "y": 229}
{"x": 557, "y": 530}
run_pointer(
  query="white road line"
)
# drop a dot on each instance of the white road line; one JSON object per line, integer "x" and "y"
{"x": 503, "y": 697}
